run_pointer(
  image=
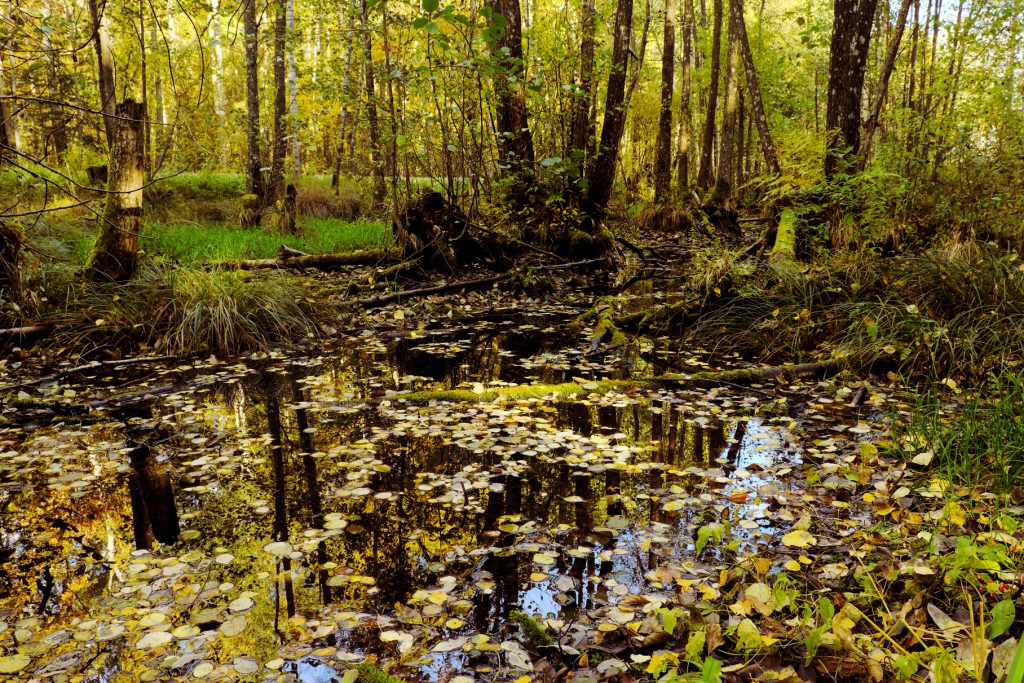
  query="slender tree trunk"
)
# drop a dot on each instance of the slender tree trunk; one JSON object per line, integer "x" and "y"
{"x": 293, "y": 97}
{"x": 144, "y": 77}
{"x": 346, "y": 94}
{"x": 727, "y": 159}
{"x": 515, "y": 142}
{"x": 871, "y": 125}
{"x": 685, "y": 120}
{"x": 7, "y": 122}
{"x": 757, "y": 110}
{"x": 105, "y": 65}
{"x": 602, "y": 174}
{"x": 254, "y": 162}
{"x": 279, "y": 151}
{"x": 376, "y": 160}
{"x": 663, "y": 157}
{"x": 217, "y": 76}
{"x": 851, "y": 37}
{"x": 704, "y": 174}
{"x": 114, "y": 256}
{"x": 582, "y": 129}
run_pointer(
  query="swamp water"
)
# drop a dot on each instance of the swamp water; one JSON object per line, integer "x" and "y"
{"x": 295, "y": 516}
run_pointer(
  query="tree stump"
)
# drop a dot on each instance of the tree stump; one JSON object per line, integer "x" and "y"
{"x": 116, "y": 252}
{"x": 251, "y": 211}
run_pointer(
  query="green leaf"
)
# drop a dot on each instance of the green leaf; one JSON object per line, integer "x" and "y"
{"x": 1002, "y": 617}
{"x": 550, "y": 161}
{"x": 706, "y": 533}
{"x": 430, "y": 5}
{"x": 668, "y": 621}
{"x": 905, "y": 667}
{"x": 711, "y": 671}
{"x": 695, "y": 645}
{"x": 1016, "y": 672}
{"x": 419, "y": 22}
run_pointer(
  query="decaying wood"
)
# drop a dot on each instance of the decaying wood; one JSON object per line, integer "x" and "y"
{"x": 460, "y": 286}
{"x": 25, "y": 332}
{"x": 285, "y": 252}
{"x": 741, "y": 377}
{"x": 364, "y": 257}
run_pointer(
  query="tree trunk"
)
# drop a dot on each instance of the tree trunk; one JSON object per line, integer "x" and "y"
{"x": 7, "y": 122}
{"x": 602, "y": 174}
{"x": 154, "y": 513}
{"x": 105, "y": 63}
{"x": 663, "y": 156}
{"x": 278, "y": 150}
{"x": 273, "y": 407}
{"x": 582, "y": 129}
{"x": 371, "y": 108}
{"x": 757, "y": 109}
{"x": 851, "y": 37}
{"x": 871, "y": 125}
{"x": 254, "y": 165}
{"x": 708, "y": 143}
{"x": 293, "y": 96}
{"x": 346, "y": 93}
{"x": 515, "y": 142}
{"x": 730, "y": 114}
{"x": 685, "y": 120}
{"x": 217, "y": 76}
{"x": 10, "y": 257}
{"x": 114, "y": 255}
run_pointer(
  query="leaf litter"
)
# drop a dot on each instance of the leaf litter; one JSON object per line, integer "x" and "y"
{"x": 648, "y": 534}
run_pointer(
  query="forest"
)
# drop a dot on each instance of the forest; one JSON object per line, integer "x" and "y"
{"x": 677, "y": 341}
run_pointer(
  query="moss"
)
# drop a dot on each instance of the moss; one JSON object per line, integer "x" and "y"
{"x": 536, "y": 635}
{"x": 371, "y": 673}
{"x": 517, "y": 393}
{"x": 785, "y": 238}
{"x": 250, "y": 211}
{"x": 605, "y": 329}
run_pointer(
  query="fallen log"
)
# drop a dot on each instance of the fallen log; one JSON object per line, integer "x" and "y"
{"x": 363, "y": 257}
{"x": 740, "y": 377}
{"x": 460, "y": 286}
{"x": 24, "y": 332}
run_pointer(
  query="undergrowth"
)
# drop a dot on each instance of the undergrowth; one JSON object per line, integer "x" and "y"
{"x": 932, "y": 315}
{"x": 178, "y": 310}
{"x": 976, "y": 441}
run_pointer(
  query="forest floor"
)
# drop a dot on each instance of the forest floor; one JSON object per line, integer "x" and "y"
{"x": 593, "y": 505}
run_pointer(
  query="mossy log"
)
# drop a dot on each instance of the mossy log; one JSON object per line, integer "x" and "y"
{"x": 114, "y": 256}
{"x": 785, "y": 238}
{"x": 363, "y": 257}
{"x": 743, "y": 377}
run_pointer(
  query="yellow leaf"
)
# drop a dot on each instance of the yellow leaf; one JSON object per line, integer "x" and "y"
{"x": 798, "y": 539}
{"x": 792, "y": 565}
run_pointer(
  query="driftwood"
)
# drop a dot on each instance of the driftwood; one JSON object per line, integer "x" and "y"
{"x": 364, "y": 257}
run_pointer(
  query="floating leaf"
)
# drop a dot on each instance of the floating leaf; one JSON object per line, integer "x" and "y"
{"x": 799, "y": 538}
{"x": 279, "y": 548}
{"x": 14, "y": 663}
{"x": 153, "y": 640}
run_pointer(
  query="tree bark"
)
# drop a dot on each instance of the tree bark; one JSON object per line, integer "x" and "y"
{"x": 730, "y": 114}
{"x": 754, "y": 88}
{"x": 217, "y": 76}
{"x": 663, "y": 156}
{"x": 704, "y": 174}
{"x": 254, "y": 165}
{"x": 278, "y": 152}
{"x": 602, "y": 174}
{"x": 376, "y": 160}
{"x": 582, "y": 129}
{"x": 685, "y": 119}
{"x": 105, "y": 65}
{"x": 346, "y": 93}
{"x": 293, "y": 96}
{"x": 851, "y": 38}
{"x": 114, "y": 256}
{"x": 515, "y": 142}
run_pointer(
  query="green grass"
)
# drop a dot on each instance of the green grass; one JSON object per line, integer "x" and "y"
{"x": 192, "y": 242}
{"x": 977, "y": 442}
